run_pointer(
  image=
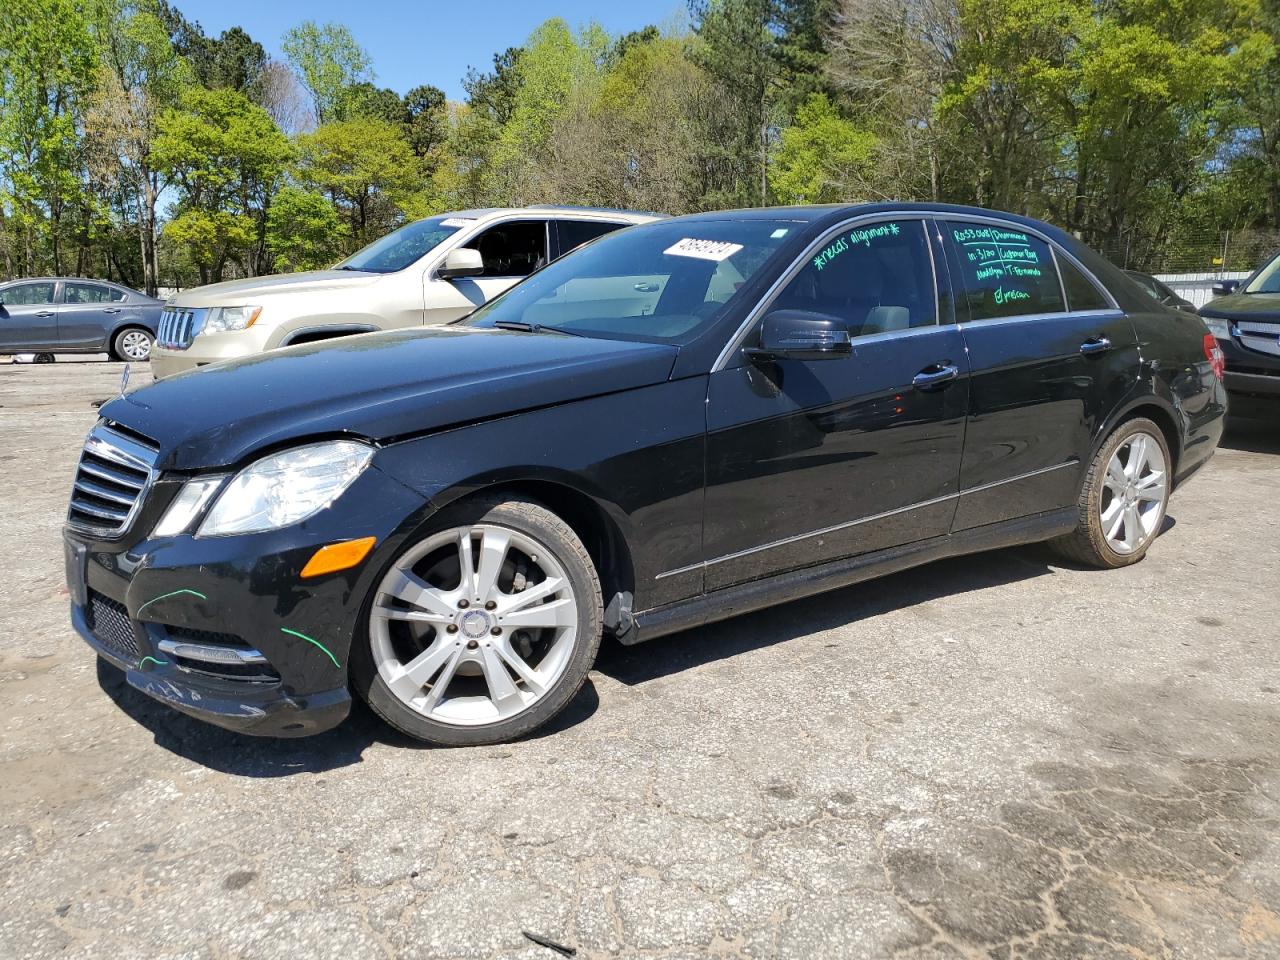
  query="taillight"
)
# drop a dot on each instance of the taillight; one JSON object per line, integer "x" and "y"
{"x": 1213, "y": 353}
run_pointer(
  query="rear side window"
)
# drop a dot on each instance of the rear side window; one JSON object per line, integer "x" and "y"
{"x": 1081, "y": 292}
{"x": 89, "y": 293}
{"x": 1004, "y": 272}
{"x": 574, "y": 233}
{"x": 876, "y": 277}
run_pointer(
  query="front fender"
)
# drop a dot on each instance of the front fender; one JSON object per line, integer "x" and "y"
{"x": 637, "y": 454}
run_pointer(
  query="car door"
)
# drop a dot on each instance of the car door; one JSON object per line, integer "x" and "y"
{"x": 1050, "y": 355}
{"x": 29, "y": 316}
{"x": 87, "y": 312}
{"x": 512, "y": 250}
{"x": 813, "y": 460}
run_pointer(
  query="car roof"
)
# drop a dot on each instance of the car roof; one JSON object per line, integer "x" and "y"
{"x": 822, "y": 214}
{"x": 542, "y": 210}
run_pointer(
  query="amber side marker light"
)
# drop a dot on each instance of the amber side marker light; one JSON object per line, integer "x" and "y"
{"x": 338, "y": 556}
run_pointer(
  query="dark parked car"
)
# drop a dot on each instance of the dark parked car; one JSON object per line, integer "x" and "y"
{"x": 1160, "y": 292}
{"x": 73, "y": 315}
{"x": 1246, "y": 320}
{"x": 680, "y": 422}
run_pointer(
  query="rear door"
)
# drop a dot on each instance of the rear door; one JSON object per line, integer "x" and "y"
{"x": 512, "y": 250}
{"x": 1050, "y": 356}
{"x": 571, "y": 234}
{"x": 29, "y": 316}
{"x": 810, "y": 461}
{"x": 87, "y": 312}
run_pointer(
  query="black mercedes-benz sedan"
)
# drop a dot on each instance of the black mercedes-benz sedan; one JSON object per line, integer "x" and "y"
{"x": 1246, "y": 320}
{"x": 681, "y": 422}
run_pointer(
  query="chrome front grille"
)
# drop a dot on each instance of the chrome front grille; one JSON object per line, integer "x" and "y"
{"x": 1259, "y": 336}
{"x": 179, "y": 326}
{"x": 114, "y": 472}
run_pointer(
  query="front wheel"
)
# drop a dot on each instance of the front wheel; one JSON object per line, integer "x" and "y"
{"x": 483, "y": 629}
{"x": 1123, "y": 499}
{"x": 132, "y": 344}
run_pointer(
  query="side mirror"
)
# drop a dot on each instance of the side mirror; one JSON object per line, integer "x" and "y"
{"x": 1224, "y": 287}
{"x": 802, "y": 335}
{"x": 461, "y": 262}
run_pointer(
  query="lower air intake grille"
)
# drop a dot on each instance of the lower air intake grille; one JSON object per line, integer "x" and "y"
{"x": 110, "y": 623}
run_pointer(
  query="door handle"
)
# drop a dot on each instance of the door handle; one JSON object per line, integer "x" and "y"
{"x": 645, "y": 287}
{"x": 1098, "y": 344}
{"x": 44, "y": 313}
{"x": 935, "y": 376}
{"x": 110, "y": 309}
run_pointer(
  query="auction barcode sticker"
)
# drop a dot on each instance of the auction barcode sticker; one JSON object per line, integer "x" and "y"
{"x": 703, "y": 249}
{"x": 456, "y": 222}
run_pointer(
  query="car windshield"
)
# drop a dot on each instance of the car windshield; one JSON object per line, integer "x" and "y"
{"x": 663, "y": 282}
{"x": 1267, "y": 279}
{"x": 402, "y": 247}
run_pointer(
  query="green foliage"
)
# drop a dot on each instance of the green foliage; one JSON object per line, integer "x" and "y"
{"x": 823, "y": 158}
{"x": 328, "y": 60}
{"x": 304, "y": 230}
{"x": 367, "y": 168}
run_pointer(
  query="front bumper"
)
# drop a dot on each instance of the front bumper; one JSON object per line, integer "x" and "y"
{"x": 207, "y": 348}
{"x": 133, "y": 599}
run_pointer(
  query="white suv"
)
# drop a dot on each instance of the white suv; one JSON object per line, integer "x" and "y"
{"x": 429, "y": 272}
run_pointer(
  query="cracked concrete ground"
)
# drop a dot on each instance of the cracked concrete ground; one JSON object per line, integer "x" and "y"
{"x": 996, "y": 756}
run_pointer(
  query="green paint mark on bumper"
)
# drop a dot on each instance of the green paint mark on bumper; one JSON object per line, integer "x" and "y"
{"x": 175, "y": 593}
{"x": 158, "y": 663}
{"x": 303, "y": 636}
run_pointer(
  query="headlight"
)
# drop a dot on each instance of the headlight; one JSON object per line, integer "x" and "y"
{"x": 286, "y": 487}
{"x": 1220, "y": 327}
{"x": 221, "y": 319}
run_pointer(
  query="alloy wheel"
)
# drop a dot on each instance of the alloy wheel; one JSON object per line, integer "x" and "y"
{"x": 135, "y": 345}
{"x": 1134, "y": 492}
{"x": 474, "y": 625}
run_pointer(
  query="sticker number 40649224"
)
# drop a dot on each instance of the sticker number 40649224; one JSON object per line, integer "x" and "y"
{"x": 702, "y": 249}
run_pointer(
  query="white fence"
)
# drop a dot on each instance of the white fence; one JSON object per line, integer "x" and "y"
{"x": 1196, "y": 287}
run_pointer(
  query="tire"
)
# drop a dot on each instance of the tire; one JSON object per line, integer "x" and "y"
{"x": 1108, "y": 534}
{"x": 432, "y": 666}
{"x": 132, "y": 344}
{"x": 43, "y": 358}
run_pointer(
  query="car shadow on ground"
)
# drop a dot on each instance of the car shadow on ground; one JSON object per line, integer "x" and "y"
{"x": 742, "y": 634}
{"x": 247, "y": 756}
{"x": 1252, "y": 436}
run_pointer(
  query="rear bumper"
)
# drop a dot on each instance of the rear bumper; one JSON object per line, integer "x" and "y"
{"x": 1255, "y": 384}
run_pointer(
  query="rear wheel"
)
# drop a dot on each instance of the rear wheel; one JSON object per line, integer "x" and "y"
{"x": 483, "y": 629}
{"x": 133, "y": 344}
{"x": 1123, "y": 499}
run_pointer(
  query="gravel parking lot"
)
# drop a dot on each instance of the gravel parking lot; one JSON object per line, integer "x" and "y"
{"x": 994, "y": 756}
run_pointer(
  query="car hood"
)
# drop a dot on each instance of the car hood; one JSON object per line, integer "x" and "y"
{"x": 235, "y": 292}
{"x": 1244, "y": 306}
{"x": 378, "y": 386}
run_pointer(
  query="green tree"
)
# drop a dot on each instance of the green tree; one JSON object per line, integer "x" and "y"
{"x": 328, "y": 60}
{"x": 366, "y": 168}
{"x": 140, "y": 74}
{"x": 226, "y": 158}
{"x": 48, "y": 73}
{"x": 822, "y": 157}
{"x": 304, "y": 230}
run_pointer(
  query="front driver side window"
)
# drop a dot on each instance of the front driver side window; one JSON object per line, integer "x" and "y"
{"x": 512, "y": 249}
{"x": 876, "y": 277}
{"x": 27, "y": 294}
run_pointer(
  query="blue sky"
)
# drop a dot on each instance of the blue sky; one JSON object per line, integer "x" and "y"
{"x": 425, "y": 41}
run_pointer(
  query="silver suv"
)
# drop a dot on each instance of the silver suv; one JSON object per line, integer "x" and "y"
{"x": 428, "y": 272}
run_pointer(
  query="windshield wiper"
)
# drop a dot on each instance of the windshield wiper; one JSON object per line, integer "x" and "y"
{"x": 532, "y": 327}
